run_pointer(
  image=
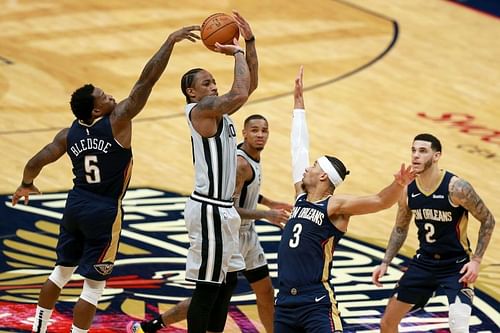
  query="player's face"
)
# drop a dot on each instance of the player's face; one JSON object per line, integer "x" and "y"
{"x": 203, "y": 85}
{"x": 422, "y": 156}
{"x": 103, "y": 102}
{"x": 256, "y": 133}
{"x": 311, "y": 175}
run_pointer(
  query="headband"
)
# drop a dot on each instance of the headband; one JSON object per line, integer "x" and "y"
{"x": 330, "y": 170}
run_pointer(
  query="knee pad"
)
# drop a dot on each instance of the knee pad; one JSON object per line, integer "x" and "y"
{"x": 92, "y": 291}
{"x": 458, "y": 317}
{"x": 61, "y": 275}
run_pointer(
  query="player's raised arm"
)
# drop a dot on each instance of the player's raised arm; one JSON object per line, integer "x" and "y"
{"x": 251, "y": 51}
{"x": 155, "y": 67}
{"x": 299, "y": 136}
{"x": 213, "y": 106}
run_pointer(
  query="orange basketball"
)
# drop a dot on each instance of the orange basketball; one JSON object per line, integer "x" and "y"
{"x": 220, "y": 28}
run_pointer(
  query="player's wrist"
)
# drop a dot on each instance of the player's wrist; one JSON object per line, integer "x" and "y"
{"x": 386, "y": 262}
{"x": 238, "y": 51}
{"x": 251, "y": 39}
{"x": 476, "y": 259}
{"x": 26, "y": 184}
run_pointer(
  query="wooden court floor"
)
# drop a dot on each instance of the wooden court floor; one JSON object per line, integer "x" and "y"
{"x": 376, "y": 74}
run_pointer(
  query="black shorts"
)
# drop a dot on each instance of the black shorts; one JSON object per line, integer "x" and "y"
{"x": 425, "y": 275}
{"x": 89, "y": 234}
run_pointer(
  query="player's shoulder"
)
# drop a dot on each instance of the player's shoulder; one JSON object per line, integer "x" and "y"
{"x": 243, "y": 165}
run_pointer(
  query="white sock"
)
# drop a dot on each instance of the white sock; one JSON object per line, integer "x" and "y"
{"x": 42, "y": 317}
{"x": 75, "y": 329}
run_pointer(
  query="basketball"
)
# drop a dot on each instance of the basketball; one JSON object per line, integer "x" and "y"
{"x": 220, "y": 28}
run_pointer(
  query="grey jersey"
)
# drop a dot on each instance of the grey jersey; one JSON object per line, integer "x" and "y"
{"x": 214, "y": 159}
{"x": 250, "y": 191}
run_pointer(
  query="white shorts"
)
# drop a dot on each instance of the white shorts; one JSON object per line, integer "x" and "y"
{"x": 250, "y": 247}
{"x": 213, "y": 241}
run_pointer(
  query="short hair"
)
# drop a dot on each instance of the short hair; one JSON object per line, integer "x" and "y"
{"x": 82, "y": 102}
{"x": 435, "y": 143}
{"x": 252, "y": 117}
{"x": 339, "y": 166}
{"x": 187, "y": 81}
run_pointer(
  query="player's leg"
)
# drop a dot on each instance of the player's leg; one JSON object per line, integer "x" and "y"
{"x": 263, "y": 288}
{"x": 200, "y": 308}
{"x": 48, "y": 296}
{"x": 459, "y": 296}
{"x": 69, "y": 249}
{"x": 218, "y": 315}
{"x": 85, "y": 308}
{"x": 257, "y": 274}
{"x": 100, "y": 226}
{"x": 394, "y": 312}
{"x": 413, "y": 291}
{"x": 285, "y": 321}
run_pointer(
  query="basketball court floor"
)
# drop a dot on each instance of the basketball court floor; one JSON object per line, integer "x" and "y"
{"x": 376, "y": 74}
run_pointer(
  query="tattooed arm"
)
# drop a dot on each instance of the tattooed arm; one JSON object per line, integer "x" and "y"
{"x": 462, "y": 193}
{"x": 397, "y": 239}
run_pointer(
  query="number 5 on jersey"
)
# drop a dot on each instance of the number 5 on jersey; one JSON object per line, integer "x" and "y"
{"x": 92, "y": 174}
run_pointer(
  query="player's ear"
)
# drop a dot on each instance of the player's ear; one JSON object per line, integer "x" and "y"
{"x": 190, "y": 92}
{"x": 436, "y": 156}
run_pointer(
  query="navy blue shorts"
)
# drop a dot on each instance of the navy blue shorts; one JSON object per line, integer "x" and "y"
{"x": 89, "y": 234}
{"x": 426, "y": 275}
{"x": 307, "y": 310}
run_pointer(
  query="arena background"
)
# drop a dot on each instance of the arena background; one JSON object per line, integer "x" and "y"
{"x": 376, "y": 73}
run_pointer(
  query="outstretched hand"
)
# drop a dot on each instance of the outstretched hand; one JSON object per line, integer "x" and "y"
{"x": 245, "y": 30}
{"x": 24, "y": 191}
{"x": 298, "y": 94}
{"x": 186, "y": 33}
{"x": 278, "y": 217}
{"x": 404, "y": 176}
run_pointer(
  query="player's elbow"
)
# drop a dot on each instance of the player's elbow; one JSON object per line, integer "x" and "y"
{"x": 240, "y": 98}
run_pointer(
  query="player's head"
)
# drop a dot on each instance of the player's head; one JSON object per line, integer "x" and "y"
{"x": 425, "y": 152}
{"x": 198, "y": 83}
{"x": 89, "y": 102}
{"x": 327, "y": 170}
{"x": 255, "y": 131}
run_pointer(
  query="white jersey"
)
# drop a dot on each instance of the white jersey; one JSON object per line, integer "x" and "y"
{"x": 214, "y": 159}
{"x": 250, "y": 191}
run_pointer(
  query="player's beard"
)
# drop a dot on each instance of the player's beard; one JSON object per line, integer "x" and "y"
{"x": 427, "y": 165}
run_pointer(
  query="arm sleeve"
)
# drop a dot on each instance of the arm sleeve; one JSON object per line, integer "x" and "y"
{"x": 299, "y": 139}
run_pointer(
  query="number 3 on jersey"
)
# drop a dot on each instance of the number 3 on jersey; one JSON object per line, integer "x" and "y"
{"x": 92, "y": 174}
{"x": 294, "y": 241}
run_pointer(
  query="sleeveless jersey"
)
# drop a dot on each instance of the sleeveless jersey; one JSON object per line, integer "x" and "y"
{"x": 249, "y": 196}
{"x": 100, "y": 164}
{"x": 306, "y": 249}
{"x": 214, "y": 159}
{"x": 442, "y": 226}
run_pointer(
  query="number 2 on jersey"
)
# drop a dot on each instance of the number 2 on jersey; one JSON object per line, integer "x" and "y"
{"x": 294, "y": 241}
{"x": 92, "y": 173}
{"x": 430, "y": 232}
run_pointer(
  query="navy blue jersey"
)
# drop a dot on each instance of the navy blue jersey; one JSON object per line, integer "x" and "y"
{"x": 100, "y": 164}
{"x": 306, "y": 249}
{"x": 442, "y": 226}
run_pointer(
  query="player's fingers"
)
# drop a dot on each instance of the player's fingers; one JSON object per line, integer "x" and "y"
{"x": 193, "y": 27}
{"x": 26, "y": 199}
{"x": 15, "y": 199}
